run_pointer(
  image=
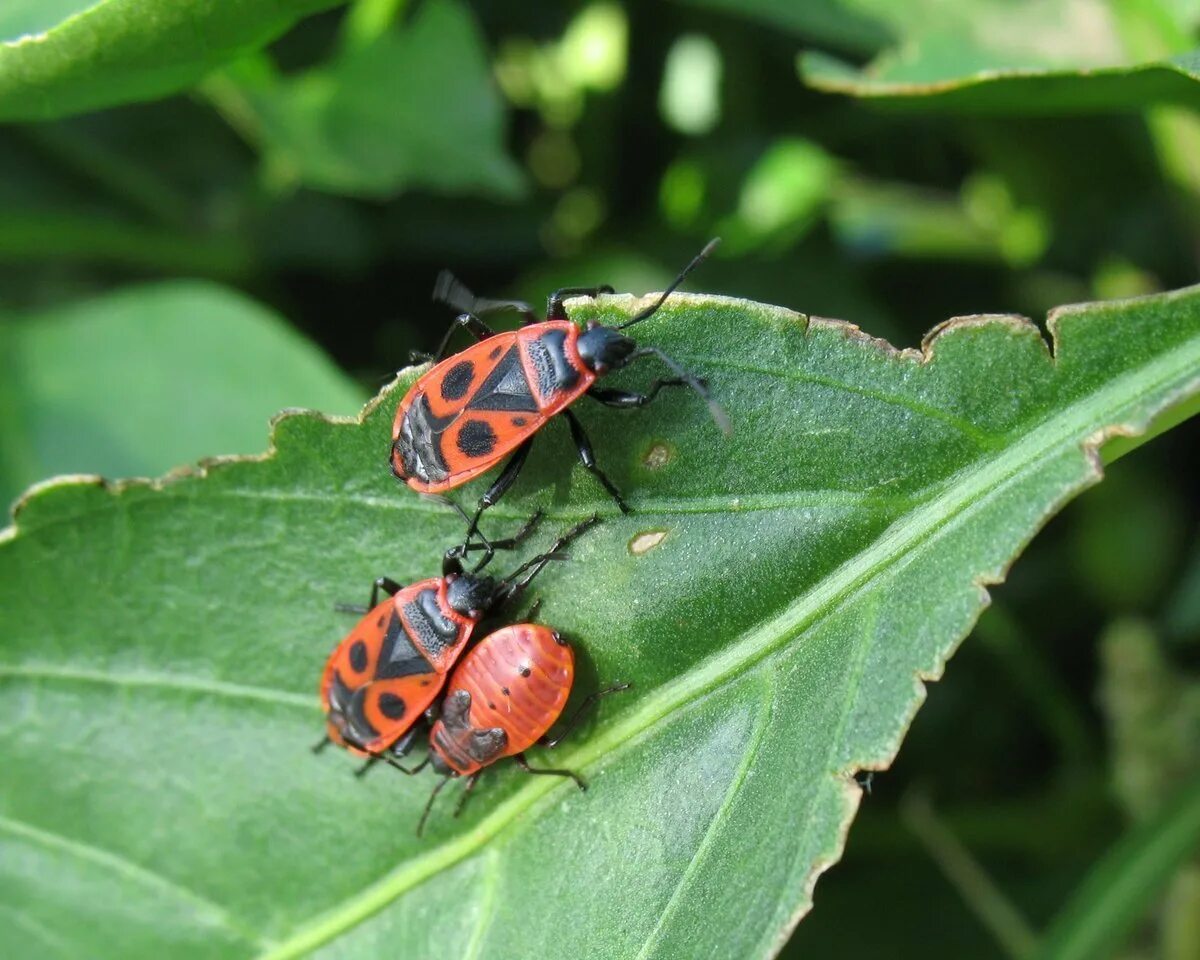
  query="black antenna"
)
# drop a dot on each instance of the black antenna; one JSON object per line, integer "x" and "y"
{"x": 653, "y": 308}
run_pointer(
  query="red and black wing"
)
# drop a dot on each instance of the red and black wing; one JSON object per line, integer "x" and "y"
{"x": 467, "y": 413}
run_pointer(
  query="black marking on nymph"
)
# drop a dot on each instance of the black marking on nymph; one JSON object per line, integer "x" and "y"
{"x": 484, "y": 746}
{"x": 506, "y": 387}
{"x": 398, "y": 656}
{"x": 430, "y": 627}
{"x": 525, "y": 671}
{"x": 419, "y": 445}
{"x": 358, "y": 656}
{"x": 457, "y": 380}
{"x": 476, "y": 439}
{"x": 392, "y": 706}
{"x": 548, "y": 355}
{"x": 504, "y": 690}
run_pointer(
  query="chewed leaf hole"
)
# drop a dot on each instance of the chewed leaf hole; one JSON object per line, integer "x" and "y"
{"x": 646, "y": 541}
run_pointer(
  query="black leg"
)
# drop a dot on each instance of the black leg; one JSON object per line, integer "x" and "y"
{"x": 720, "y": 417}
{"x": 491, "y": 546}
{"x": 452, "y": 292}
{"x": 381, "y": 583}
{"x": 554, "y": 306}
{"x": 462, "y": 799}
{"x": 366, "y": 766}
{"x": 321, "y": 744}
{"x": 508, "y": 476}
{"x": 588, "y": 459}
{"x": 429, "y": 803}
{"x": 478, "y": 328}
{"x": 524, "y": 765}
{"x": 584, "y": 707}
{"x": 625, "y": 399}
{"x": 514, "y": 584}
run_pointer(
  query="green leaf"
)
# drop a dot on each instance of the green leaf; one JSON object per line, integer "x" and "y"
{"x": 413, "y": 107}
{"x": 135, "y": 382}
{"x": 1025, "y": 90}
{"x": 1027, "y": 57}
{"x": 776, "y": 600}
{"x": 69, "y": 56}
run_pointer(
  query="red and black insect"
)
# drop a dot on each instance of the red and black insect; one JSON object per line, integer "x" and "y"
{"x": 475, "y": 407}
{"x": 390, "y": 668}
{"x": 503, "y": 697}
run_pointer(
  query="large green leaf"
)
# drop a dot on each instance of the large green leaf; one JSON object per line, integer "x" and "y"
{"x": 67, "y": 56}
{"x": 411, "y": 107}
{"x": 136, "y": 382}
{"x": 776, "y": 600}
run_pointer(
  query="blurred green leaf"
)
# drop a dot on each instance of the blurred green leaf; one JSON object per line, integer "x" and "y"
{"x": 68, "y": 56}
{"x": 159, "y": 794}
{"x": 415, "y": 107}
{"x": 1122, "y": 887}
{"x": 137, "y": 382}
{"x": 975, "y": 87}
{"x": 1025, "y": 57}
{"x": 853, "y": 26}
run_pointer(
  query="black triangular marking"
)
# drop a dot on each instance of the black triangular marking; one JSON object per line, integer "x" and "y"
{"x": 399, "y": 657}
{"x": 505, "y": 387}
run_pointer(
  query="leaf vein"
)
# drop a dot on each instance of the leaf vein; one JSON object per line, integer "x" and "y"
{"x": 217, "y": 688}
{"x": 90, "y": 853}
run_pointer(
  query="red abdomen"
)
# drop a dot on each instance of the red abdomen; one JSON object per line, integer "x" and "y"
{"x": 518, "y": 680}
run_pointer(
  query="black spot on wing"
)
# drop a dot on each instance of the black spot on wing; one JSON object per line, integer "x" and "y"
{"x": 476, "y": 439}
{"x": 392, "y": 706}
{"x": 457, "y": 380}
{"x": 358, "y": 656}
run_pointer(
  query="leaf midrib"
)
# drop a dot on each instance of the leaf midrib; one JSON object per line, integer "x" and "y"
{"x": 971, "y": 488}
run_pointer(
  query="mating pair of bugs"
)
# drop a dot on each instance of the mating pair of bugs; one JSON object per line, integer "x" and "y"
{"x": 381, "y": 685}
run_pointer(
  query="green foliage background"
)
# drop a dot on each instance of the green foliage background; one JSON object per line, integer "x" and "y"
{"x": 210, "y": 212}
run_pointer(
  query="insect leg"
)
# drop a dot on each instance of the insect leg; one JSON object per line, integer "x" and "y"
{"x": 429, "y": 803}
{"x": 715, "y": 410}
{"x": 321, "y": 744}
{"x": 462, "y": 799}
{"x": 588, "y": 459}
{"x": 554, "y": 306}
{"x": 491, "y": 497}
{"x": 513, "y": 587}
{"x": 381, "y": 583}
{"x": 546, "y": 771}
{"x": 478, "y": 328}
{"x": 625, "y": 399}
{"x": 584, "y": 707}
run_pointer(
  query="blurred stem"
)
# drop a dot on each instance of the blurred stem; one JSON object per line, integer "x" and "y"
{"x": 366, "y": 20}
{"x": 121, "y": 176}
{"x": 1054, "y": 703}
{"x": 968, "y": 878}
{"x": 225, "y": 95}
{"x": 107, "y": 241}
{"x": 1122, "y": 886}
{"x": 1181, "y": 916}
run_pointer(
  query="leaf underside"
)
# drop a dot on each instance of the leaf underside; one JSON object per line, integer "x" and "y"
{"x": 163, "y": 642}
